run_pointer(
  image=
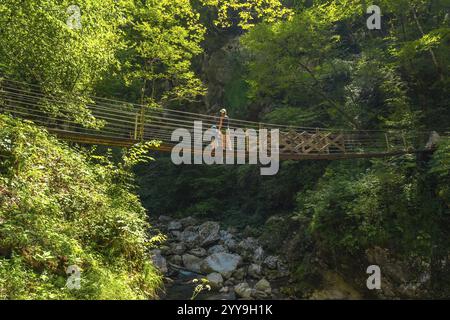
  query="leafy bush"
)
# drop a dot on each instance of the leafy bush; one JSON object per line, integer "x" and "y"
{"x": 61, "y": 207}
{"x": 386, "y": 204}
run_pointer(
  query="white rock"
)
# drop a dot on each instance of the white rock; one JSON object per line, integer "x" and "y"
{"x": 223, "y": 263}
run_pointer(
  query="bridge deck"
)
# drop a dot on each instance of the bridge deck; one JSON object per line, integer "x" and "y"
{"x": 124, "y": 124}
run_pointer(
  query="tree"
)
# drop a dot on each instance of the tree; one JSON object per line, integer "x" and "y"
{"x": 39, "y": 47}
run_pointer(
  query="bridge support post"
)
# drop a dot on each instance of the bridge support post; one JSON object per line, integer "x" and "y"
{"x": 136, "y": 126}
{"x": 139, "y": 124}
{"x": 388, "y": 148}
{"x": 404, "y": 140}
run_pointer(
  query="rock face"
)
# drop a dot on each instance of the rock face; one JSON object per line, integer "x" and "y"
{"x": 409, "y": 279}
{"x": 335, "y": 288}
{"x": 223, "y": 263}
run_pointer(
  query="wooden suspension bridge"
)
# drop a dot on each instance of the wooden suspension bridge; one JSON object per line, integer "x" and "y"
{"x": 123, "y": 124}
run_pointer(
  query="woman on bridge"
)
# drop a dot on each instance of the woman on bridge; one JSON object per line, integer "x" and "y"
{"x": 224, "y": 127}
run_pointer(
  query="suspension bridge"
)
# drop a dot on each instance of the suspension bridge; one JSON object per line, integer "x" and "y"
{"x": 123, "y": 124}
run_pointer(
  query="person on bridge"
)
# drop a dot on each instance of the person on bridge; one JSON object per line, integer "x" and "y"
{"x": 224, "y": 126}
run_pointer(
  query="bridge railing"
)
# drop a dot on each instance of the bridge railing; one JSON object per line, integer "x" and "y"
{"x": 123, "y": 123}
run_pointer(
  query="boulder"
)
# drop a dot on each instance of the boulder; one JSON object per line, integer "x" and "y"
{"x": 218, "y": 248}
{"x": 189, "y": 236}
{"x": 258, "y": 255}
{"x": 271, "y": 262}
{"x": 260, "y": 295}
{"x": 254, "y": 270}
{"x": 164, "y": 219}
{"x": 249, "y": 244}
{"x": 215, "y": 280}
{"x": 243, "y": 290}
{"x": 223, "y": 263}
{"x": 230, "y": 295}
{"x": 224, "y": 290}
{"x": 174, "y": 226}
{"x": 176, "y": 259}
{"x": 188, "y": 222}
{"x": 200, "y": 236}
{"x": 240, "y": 274}
{"x": 225, "y": 235}
{"x": 432, "y": 141}
{"x": 232, "y": 230}
{"x": 198, "y": 252}
{"x": 264, "y": 286}
{"x": 192, "y": 262}
{"x": 165, "y": 250}
{"x": 159, "y": 261}
{"x": 208, "y": 233}
{"x": 229, "y": 282}
{"x": 176, "y": 234}
{"x": 231, "y": 244}
{"x": 178, "y": 248}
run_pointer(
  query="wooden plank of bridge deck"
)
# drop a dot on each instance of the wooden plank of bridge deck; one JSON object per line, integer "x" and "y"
{"x": 121, "y": 142}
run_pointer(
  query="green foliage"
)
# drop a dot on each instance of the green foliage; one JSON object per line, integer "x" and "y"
{"x": 247, "y": 13}
{"x": 440, "y": 166}
{"x": 38, "y": 47}
{"x": 163, "y": 37}
{"x": 60, "y": 207}
{"x": 236, "y": 195}
{"x": 326, "y": 63}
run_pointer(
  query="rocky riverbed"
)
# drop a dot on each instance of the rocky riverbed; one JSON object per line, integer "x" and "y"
{"x": 235, "y": 267}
